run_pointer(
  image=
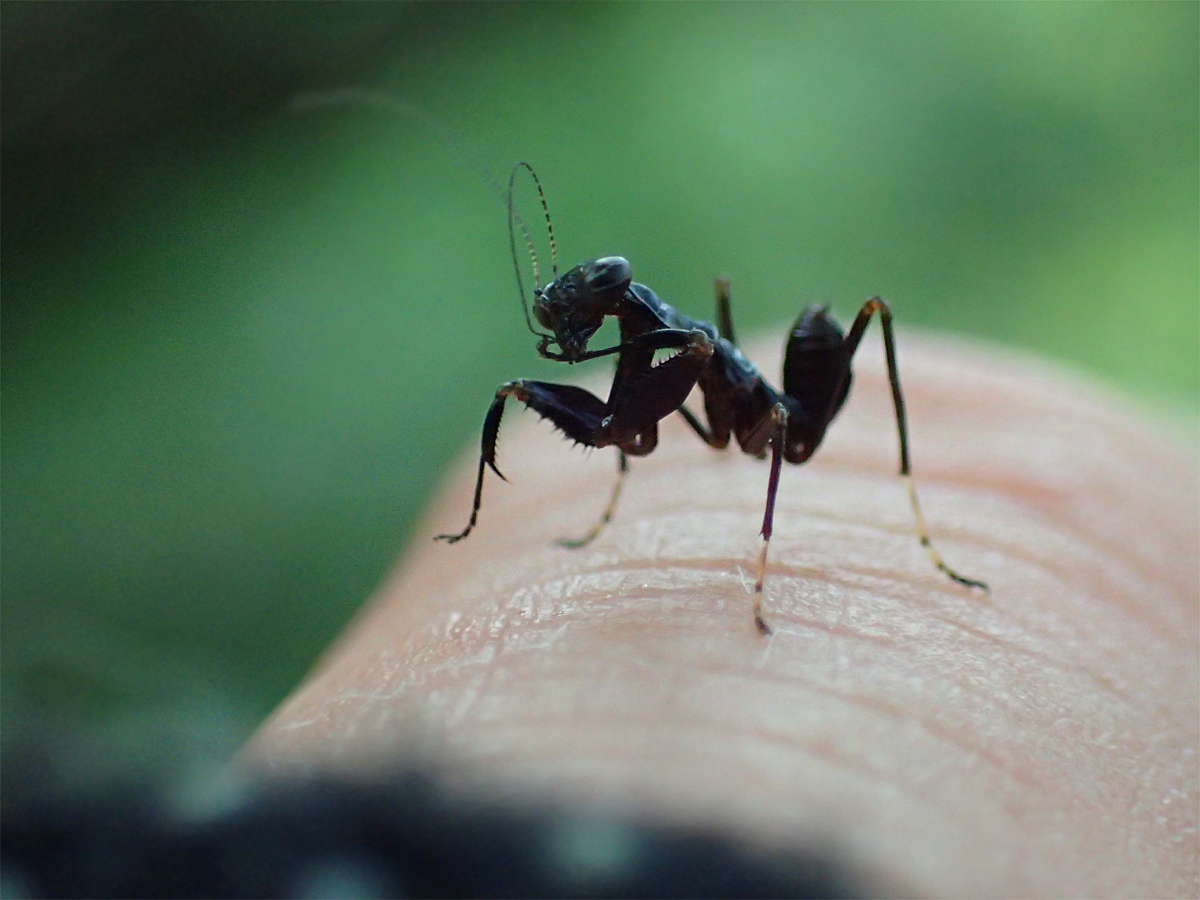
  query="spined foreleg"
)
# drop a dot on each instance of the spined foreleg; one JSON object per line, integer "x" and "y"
{"x": 640, "y": 401}
{"x": 574, "y": 411}
{"x": 629, "y": 419}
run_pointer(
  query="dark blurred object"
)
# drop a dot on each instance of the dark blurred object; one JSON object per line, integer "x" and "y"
{"x": 327, "y": 838}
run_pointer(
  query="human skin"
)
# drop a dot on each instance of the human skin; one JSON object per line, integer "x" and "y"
{"x": 1040, "y": 740}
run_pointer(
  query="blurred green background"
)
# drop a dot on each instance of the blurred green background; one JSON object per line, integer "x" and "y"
{"x": 241, "y": 345}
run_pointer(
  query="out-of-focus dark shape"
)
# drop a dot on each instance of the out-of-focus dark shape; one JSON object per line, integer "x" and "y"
{"x": 326, "y": 838}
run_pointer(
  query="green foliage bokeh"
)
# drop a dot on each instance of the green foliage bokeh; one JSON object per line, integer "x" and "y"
{"x": 235, "y": 373}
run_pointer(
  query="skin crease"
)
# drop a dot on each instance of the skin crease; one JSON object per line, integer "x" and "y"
{"x": 1038, "y": 741}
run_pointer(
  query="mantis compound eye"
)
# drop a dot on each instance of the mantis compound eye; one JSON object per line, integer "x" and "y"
{"x": 611, "y": 273}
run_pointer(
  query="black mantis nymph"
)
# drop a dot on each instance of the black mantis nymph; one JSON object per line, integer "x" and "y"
{"x": 738, "y": 401}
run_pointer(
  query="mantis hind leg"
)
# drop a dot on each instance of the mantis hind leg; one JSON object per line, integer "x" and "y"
{"x": 877, "y": 305}
{"x": 724, "y": 314}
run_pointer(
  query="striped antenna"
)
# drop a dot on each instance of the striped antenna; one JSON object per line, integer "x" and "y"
{"x": 512, "y": 243}
{"x": 545, "y": 211}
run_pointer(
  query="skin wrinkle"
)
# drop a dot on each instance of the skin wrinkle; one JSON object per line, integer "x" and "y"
{"x": 1110, "y": 553}
{"x": 492, "y": 660}
{"x": 958, "y": 744}
{"x": 1064, "y": 570}
{"x": 1062, "y": 525}
{"x": 820, "y": 749}
{"x": 874, "y": 705}
{"x": 793, "y": 682}
{"x": 921, "y": 581}
{"x": 582, "y": 595}
{"x": 1050, "y": 663}
{"x": 547, "y": 750}
{"x": 1126, "y": 443}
